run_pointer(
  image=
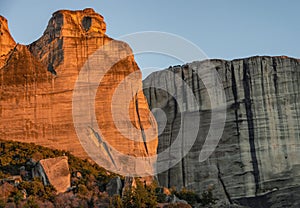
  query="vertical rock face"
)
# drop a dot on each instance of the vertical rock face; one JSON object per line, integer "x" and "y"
{"x": 7, "y": 43}
{"x": 36, "y": 105}
{"x": 259, "y": 150}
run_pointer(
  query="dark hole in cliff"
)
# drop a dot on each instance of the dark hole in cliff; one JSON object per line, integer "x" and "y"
{"x": 51, "y": 69}
{"x": 86, "y": 23}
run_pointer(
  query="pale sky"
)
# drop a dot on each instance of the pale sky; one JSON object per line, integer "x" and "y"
{"x": 226, "y": 29}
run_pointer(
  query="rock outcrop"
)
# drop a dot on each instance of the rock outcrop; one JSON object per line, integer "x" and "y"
{"x": 7, "y": 43}
{"x": 114, "y": 186}
{"x": 54, "y": 171}
{"x": 258, "y": 153}
{"x": 38, "y": 96}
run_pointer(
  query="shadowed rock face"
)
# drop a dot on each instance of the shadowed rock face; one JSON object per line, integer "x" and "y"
{"x": 38, "y": 81}
{"x": 259, "y": 150}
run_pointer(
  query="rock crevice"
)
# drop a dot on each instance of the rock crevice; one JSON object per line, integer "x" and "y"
{"x": 259, "y": 148}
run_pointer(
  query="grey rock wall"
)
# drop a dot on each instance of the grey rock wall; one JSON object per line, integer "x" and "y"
{"x": 259, "y": 151}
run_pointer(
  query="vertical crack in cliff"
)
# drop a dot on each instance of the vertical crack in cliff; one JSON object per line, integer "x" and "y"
{"x": 51, "y": 58}
{"x": 282, "y": 136}
{"x": 184, "y": 99}
{"x": 265, "y": 104}
{"x": 236, "y": 103}
{"x": 172, "y": 122}
{"x": 275, "y": 77}
{"x": 140, "y": 123}
{"x": 249, "y": 114}
{"x": 223, "y": 184}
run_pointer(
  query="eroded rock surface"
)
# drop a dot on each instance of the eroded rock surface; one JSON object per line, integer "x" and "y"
{"x": 54, "y": 171}
{"x": 7, "y": 43}
{"x": 37, "y": 86}
{"x": 259, "y": 150}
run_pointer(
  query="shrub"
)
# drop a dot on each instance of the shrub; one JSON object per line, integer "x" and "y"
{"x": 2, "y": 204}
{"x": 207, "y": 198}
{"x": 139, "y": 197}
{"x": 189, "y": 196}
{"x": 17, "y": 196}
{"x": 116, "y": 202}
{"x": 31, "y": 203}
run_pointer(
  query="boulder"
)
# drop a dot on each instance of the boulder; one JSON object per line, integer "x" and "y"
{"x": 114, "y": 186}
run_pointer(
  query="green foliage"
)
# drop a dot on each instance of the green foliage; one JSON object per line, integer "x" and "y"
{"x": 192, "y": 198}
{"x": 139, "y": 197}
{"x": 207, "y": 198}
{"x": 82, "y": 190}
{"x": 37, "y": 188}
{"x": 89, "y": 184}
{"x": 31, "y": 203}
{"x": 159, "y": 192}
{"x": 116, "y": 202}
{"x": 3, "y": 175}
{"x": 50, "y": 193}
{"x": 33, "y": 188}
{"x": 17, "y": 196}
{"x": 14, "y": 155}
{"x": 2, "y": 203}
{"x": 189, "y": 196}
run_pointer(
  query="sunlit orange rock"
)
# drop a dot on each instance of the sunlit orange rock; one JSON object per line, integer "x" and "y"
{"x": 36, "y": 102}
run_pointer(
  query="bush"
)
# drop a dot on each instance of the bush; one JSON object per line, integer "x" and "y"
{"x": 207, "y": 198}
{"x": 31, "y": 203}
{"x": 2, "y": 204}
{"x": 17, "y": 196}
{"x": 189, "y": 196}
{"x": 82, "y": 190}
{"x": 139, "y": 197}
{"x": 116, "y": 202}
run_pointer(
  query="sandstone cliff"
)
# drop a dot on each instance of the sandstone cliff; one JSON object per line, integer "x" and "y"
{"x": 258, "y": 152}
{"x": 7, "y": 43}
{"x": 37, "y": 88}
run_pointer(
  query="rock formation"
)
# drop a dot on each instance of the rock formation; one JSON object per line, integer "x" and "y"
{"x": 257, "y": 157}
{"x": 54, "y": 171}
{"x": 114, "y": 186}
{"x": 7, "y": 43}
{"x": 38, "y": 81}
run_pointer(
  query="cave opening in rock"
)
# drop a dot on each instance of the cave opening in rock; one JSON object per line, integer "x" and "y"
{"x": 86, "y": 23}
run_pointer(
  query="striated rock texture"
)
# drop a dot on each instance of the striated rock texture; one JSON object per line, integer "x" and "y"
{"x": 258, "y": 153}
{"x": 7, "y": 43}
{"x": 37, "y": 85}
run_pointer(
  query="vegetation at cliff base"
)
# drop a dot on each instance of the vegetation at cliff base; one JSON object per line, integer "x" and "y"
{"x": 88, "y": 184}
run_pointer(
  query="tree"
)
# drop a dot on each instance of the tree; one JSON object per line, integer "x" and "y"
{"x": 140, "y": 197}
{"x": 2, "y": 204}
{"x": 207, "y": 198}
{"x": 189, "y": 196}
{"x": 116, "y": 202}
{"x": 31, "y": 203}
{"x": 17, "y": 196}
